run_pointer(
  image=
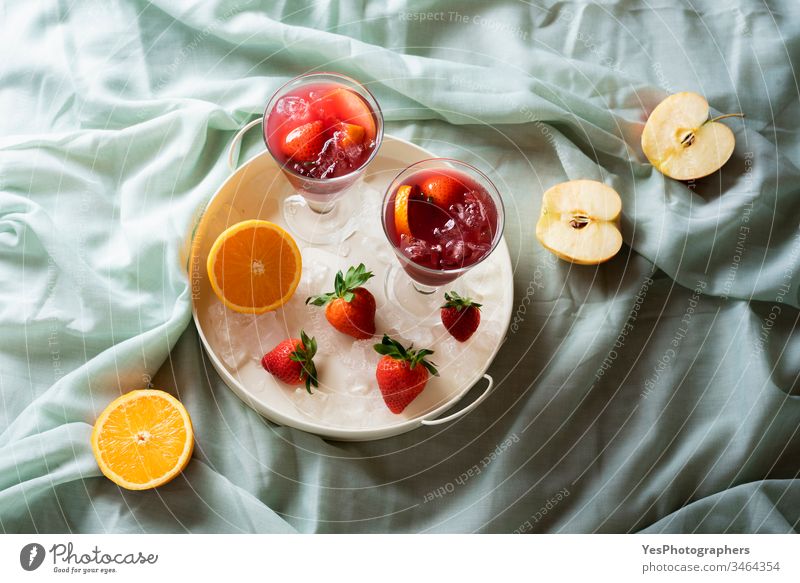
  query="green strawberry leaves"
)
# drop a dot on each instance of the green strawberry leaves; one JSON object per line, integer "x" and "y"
{"x": 393, "y": 349}
{"x": 344, "y": 285}
{"x": 453, "y": 300}
{"x": 305, "y": 356}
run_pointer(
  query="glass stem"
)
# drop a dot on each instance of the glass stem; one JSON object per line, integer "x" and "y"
{"x": 321, "y": 208}
{"x": 424, "y": 289}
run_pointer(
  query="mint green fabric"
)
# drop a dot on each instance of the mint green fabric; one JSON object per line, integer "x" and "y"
{"x": 656, "y": 392}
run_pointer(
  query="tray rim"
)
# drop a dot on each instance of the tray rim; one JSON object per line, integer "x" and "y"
{"x": 321, "y": 429}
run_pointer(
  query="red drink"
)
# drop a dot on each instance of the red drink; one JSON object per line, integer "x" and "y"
{"x": 441, "y": 222}
{"x": 320, "y": 131}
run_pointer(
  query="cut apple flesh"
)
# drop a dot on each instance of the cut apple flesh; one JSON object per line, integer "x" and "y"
{"x": 579, "y": 222}
{"x": 704, "y": 151}
{"x": 353, "y": 110}
{"x": 681, "y": 142}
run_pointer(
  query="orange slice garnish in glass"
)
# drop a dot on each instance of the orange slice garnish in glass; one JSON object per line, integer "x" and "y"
{"x": 254, "y": 267}
{"x": 352, "y": 109}
{"x": 401, "y": 201}
{"x": 143, "y": 439}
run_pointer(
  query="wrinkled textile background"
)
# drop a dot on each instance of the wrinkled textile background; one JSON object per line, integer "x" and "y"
{"x": 658, "y": 392}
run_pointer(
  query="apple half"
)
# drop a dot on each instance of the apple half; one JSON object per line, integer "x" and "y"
{"x": 682, "y": 142}
{"x": 579, "y": 222}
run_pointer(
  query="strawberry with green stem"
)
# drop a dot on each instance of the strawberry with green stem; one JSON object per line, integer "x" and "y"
{"x": 402, "y": 373}
{"x": 350, "y": 308}
{"x": 461, "y": 316}
{"x": 292, "y": 361}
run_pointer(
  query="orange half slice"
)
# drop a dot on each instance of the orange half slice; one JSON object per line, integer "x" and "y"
{"x": 254, "y": 267}
{"x": 401, "y": 201}
{"x": 143, "y": 439}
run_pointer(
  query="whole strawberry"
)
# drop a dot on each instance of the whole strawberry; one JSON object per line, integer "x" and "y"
{"x": 402, "y": 373}
{"x": 461, "y": 316}
{"x": 292, "y": 361}
{"x": 442, "y": 190}
{"x": 350, "y": 307}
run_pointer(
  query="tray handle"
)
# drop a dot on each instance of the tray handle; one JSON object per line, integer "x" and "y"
{"x": 233, "y": 149}
{"x": 466, "y": 409}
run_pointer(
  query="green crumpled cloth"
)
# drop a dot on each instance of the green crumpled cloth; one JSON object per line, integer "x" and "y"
{"x": 658, "y": 392}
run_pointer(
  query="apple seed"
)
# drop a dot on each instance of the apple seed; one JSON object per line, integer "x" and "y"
{"x": 579, "y": 221}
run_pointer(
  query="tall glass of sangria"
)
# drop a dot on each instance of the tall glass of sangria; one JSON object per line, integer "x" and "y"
{"x": 323, "y": 129}
{"x": 442, "y": 217}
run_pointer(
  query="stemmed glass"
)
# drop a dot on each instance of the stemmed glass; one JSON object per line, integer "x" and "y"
{"x": 323, "y": 129}
{"x": 442, "y": 217}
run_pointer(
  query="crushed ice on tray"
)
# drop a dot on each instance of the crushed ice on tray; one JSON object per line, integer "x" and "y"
{"x": 316, "y": 275}
{"x": 419, "y": 336}
{"x": 242, "y": 337}
{"x": 348, "y": 410}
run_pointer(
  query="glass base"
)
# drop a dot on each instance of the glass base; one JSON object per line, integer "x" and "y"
{"x": 420, "y": 301}
{"x": 321, "y": 223}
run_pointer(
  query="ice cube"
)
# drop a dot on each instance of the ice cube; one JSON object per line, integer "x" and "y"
{"x": 454, "y": 253}
{"x": 356, "y": 409}
{"x": 451, "y": 349}
{"x": 390, "y": 318}
{"x": 436, "y": 254}
{"x": 296, "y": 108}
{"x": 490, "y": 336}
{"x": 347, "y": 150}
{"x": 264, "y": 334}
{"x": 415, "y": 249}
{"x": 361, "y": 355}
{"x": 314, "y": 405}
{"x": 360, "y": 380}
{"x": 243, "y": 337}
{"x": 419, "y": 336}
{"x": 328, "y": 161}
{"x": 337, "y": 156}
{"x": 314, "y": 278}
{"x": 476, "y": 251}
{"x": 447, "y": 232}
{"x": 471, "y": 214}
{"x": 439, "y": 332}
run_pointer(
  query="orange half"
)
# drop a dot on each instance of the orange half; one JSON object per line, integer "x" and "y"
{"x": 254, "y": 267}
{"x": 401, "y": 200}
{"x": 143, "y": 439}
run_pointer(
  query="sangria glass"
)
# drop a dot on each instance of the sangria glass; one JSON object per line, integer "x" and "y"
{"x": 442, "y": 217}
{"x": 323, "y": 129}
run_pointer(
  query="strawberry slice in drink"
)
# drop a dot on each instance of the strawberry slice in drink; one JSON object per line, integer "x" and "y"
{"x": 304, "y": 142}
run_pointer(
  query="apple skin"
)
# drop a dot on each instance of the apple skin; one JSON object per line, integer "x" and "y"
{"x": 681, "y": 142}
{"x": 594, "y": 204}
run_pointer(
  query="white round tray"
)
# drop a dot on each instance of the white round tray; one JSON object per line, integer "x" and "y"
{"x": 348, "y": 404}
